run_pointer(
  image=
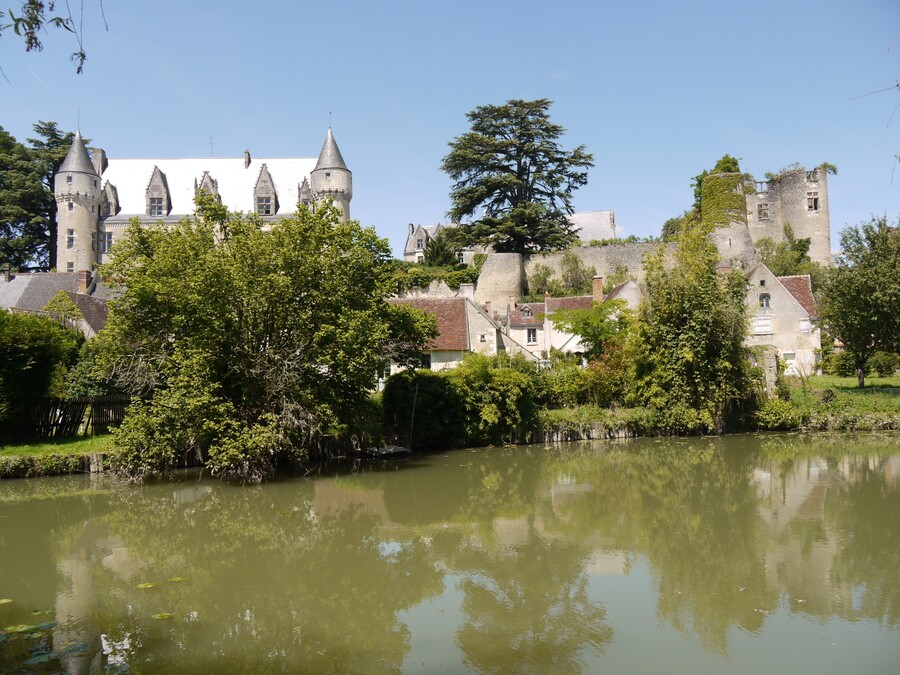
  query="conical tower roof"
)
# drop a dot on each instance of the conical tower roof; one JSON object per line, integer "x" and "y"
{"x": 77, "y": 158}
{"x": 330, "y": 157}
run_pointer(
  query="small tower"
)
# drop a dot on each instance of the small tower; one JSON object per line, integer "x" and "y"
{"x": 78, "y": 195}
{"x": 331, "y": 179}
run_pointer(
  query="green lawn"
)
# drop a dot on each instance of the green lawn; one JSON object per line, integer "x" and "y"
{"x": 849, "y": 383}
{"x": 69, "y": 446}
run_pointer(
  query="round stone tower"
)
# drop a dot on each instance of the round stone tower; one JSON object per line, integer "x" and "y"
{"x": 331, "y": 180}
{"x": 77, "y": 190}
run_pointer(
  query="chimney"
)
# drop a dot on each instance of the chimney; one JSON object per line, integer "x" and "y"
{"x": 487, "y": 307}
{"x": 466, "y": 291}
{"x": 598, "y": 288}
{"x": 246, "y": 159}
{"x": 7, "y": 273}
{"x": 411, "y": 228}
{"x": 98, "y": 159}
{"x": 84, "y": 282}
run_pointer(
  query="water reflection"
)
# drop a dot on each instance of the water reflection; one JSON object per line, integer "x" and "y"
{"x": 321, "y": 575}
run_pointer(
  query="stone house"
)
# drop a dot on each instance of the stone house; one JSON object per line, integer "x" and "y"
{"x": 531, "y": 324}
{"x": 30, "y": 293}
{"x": 463, "y": 328}
{"x": 783, "y": 317}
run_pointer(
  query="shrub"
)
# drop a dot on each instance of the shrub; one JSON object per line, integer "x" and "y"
{"x": 883, "y": 363}
{"x": 841, "y": 364}
{"x": 777, "y": 414}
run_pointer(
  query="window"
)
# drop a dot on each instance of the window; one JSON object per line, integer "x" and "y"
{"x": 70, "y": 267}
{"x": 327, "y": 174}
{"x": 420, "y": 244}
{"x": 420, "y": 258}
{"x": 762, "y": 325}
{"x": 812, "y": 176}
{"x": 526, "y": 312}
{"x": 93, "y": 241}
{"x": 69, "y": 178}
{"x": 812, "y": 201}
{"x": 264, "y": 205}
{"x": 106, "y": 240}
{"x": 426, "y": 361}
{"x": 762, "y": 211}
{"x": 762, "y": 283}
{"x": 71, "y": 206}
{"x": 764, "y": 300}
{"x": 532, "y": 336}
{"x": 459, "y": 257}
{"x": 762, "y": 186}
{"x": 482, "y": 337}
{"x": 70, "y": 238}
{"x": 156, "y": 206}
{"x": 805, "y": 325}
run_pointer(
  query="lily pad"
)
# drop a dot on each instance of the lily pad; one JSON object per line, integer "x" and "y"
{"x": 19, "y": 628}
{"x": 47, "y": 626}
{"x": 39, "y": 659}
{"x": 177, "y": 579}
{"x": 5, "y": 601}
{"x": 148, "y": 584}
{"x": 41, "y": 612}
{"x": 162, "y": 615}
{"x": 75, "y": 648}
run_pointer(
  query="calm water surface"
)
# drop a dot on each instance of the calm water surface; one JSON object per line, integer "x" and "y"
{"x": 743, "y": 554}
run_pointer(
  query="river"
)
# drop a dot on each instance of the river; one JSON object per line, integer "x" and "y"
{"x": 742, "y": 554}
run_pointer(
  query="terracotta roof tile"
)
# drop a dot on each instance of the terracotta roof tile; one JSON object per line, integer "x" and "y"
{"x": 453, "y": 333}
{"x": 518, "y": 315}
{"x": 800, "y": 287}
{"x": 575, "y": 302}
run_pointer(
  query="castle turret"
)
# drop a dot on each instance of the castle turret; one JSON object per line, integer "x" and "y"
{"x": 331, "y": 179}
{"x": 78, "y": 193}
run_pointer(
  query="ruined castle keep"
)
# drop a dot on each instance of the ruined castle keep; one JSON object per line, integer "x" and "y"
{"x": 752, "y": 211}
{"x": 97, "y": 196}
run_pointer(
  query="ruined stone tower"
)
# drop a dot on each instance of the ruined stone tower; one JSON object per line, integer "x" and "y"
{"x": 798, "y": 197}
{"x": 77, "y": 190}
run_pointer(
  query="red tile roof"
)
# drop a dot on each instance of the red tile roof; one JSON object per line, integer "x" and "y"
{"x": 517, "y": 314}
{"x": 453, "y": 332}
{"x": 576, "y": 302}
{"x": 800, "y": 286}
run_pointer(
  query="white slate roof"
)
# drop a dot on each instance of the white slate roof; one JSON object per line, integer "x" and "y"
{"x": 131, "y": 177}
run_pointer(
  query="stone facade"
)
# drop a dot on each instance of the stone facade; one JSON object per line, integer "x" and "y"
{"x": 98, "y": 197}
{"x": 798, "y": 197}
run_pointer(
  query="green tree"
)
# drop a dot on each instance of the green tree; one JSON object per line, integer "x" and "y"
{"x": 23, "y": 223}
{"x": 603, "y": 325}
{"x": 860, "y": 303}
{"x": 35, "y": 352}
{"x": 439, "y": 252}
{"x": 672, "y": 227}
{"x": 31, "y": 22}
{"x": 511, "y": 168}
{"x": 687, "y": 341}
{"x": 247, "y": 342}
{"x": 789, "y": 257}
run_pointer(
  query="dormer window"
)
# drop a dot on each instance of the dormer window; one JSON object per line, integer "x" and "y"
{"x": 264, "y": 196}
{"x": 527, "y": 313}
{"x": 109, "y": 200}
{"x": 158, "y": 202}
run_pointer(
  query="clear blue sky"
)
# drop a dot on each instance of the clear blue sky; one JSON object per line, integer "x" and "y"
{"x": 655, "y": 90}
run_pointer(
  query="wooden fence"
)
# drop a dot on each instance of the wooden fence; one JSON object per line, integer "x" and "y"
{"x": 67, "y": 418}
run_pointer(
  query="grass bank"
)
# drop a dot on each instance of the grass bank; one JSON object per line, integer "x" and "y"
{"x": 51, "y": 458}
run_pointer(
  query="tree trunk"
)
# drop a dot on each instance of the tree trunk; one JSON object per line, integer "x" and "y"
{"x": 861, "y": 374}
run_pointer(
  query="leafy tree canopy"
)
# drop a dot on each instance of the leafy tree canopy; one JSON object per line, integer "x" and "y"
{"x": 602, "y": 326}
{"x": 23, "y": 222}
{"x": 686, "y": 344}
{"x": 860, "y": 303}
{"x": 788, "y": 257}
{"x": 510, "y": 168}
{"x": 439, "y": 251}
{"x": 31, "y": 20}
{"x": 247, "y": 342}
{"x": 575, "y": 279}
